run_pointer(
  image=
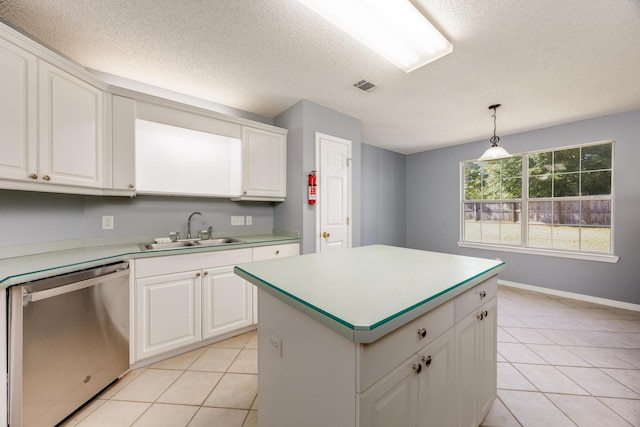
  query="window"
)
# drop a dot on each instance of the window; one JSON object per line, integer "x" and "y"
{"x": 559, "y": 200}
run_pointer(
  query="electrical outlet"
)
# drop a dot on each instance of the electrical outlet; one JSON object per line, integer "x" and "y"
{"x": 249, "y": 220}
{"x": 107, "y": 222}
{"x": 237, "y": 220}
{"x": 275, "y": 343}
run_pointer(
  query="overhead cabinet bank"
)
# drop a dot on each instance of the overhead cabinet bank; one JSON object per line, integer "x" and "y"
{"x": 66, "y": 131}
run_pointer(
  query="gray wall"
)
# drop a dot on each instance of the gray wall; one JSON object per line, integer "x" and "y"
{"x": 303, "y": 121}
{"x": 384, "y": 202}
{"x": 433, "y": 208}
{"x": 30, "y": 217}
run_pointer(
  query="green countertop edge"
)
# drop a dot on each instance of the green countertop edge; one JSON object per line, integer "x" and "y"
{"x": 78, "y": 253}
{"x": 368, "y": 334}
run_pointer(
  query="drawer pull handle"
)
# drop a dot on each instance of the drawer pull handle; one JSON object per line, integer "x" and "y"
{"x": 422, "y": 332}
{"x": 426, "y": 361}
{"x": 483, "y": 315}
{"x": 417, "y": 367}
{"x": 483, "y": 294}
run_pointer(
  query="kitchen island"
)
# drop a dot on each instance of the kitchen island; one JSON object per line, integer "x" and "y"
{"x": 375, "y": 336}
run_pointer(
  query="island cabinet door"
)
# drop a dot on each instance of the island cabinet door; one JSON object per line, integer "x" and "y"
{"x": 226, "y": 302}
{"x": 436, "y": 383}
{"x": 476, "y": 366}
{"x": 392, "y": 401}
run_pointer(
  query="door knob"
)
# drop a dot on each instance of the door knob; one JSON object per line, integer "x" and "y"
{"x": 325, "y": 235}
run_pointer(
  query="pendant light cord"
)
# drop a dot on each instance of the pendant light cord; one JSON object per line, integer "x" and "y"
{"x": 494, "y": 139}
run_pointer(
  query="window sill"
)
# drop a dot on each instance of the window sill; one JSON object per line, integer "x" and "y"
{"x": 544, "y": 252}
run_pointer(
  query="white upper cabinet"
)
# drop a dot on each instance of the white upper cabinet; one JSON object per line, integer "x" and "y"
{"x": 52, "y": 125}
{"x": 71, "y": 130}
{"x": 18, "y": 83}
{"x": 264, "y": 165}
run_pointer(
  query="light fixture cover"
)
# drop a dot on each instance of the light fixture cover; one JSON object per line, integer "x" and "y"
{"x": 494, "y": 153}
{"x": 394, "y": 29}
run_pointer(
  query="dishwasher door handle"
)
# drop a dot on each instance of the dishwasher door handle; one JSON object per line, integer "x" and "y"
{"x": 53, "y": 292}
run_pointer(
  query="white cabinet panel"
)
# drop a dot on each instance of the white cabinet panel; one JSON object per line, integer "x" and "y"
{"x": 71, "y": 129}
{"x": 264, "y": 165}
{"x": 18, "y": 82}
{"x": 123, "y": 114}
{"x": 226, "y": 302}
{"x": 167, "y": 313}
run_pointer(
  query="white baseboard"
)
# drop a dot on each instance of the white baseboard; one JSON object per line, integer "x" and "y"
{"x": 580, "y": 297}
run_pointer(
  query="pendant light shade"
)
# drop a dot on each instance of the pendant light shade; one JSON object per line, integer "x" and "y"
{"x": 494, "y": 152}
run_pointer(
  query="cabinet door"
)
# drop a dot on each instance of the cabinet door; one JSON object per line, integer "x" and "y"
{"x": 227, "y": 302}
{"x": 476, "y": 353}
{"x": 18, "y": 83}
{"x": 123, "y": 130}
{"x": 167, "y": 312}
{"x": 466, "y": 369}
{"x": 392, "y": 401}
{"x": 436, "y": 383}
{"x": 71, "y": 129}
{"x": 264, "y": 159}
{"x": 488, "y": 364}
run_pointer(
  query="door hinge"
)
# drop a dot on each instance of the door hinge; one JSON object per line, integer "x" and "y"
{"x": 347, "y": 220}
{"x": 348, "y": 161}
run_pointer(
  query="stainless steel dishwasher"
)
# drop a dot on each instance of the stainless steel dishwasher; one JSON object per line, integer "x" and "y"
{"x": 68, "y": 340}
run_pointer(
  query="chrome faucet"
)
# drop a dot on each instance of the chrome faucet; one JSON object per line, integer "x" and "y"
{"x": 204, "y": 223}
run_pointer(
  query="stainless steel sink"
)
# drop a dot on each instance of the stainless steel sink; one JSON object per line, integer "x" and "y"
{"x": 168, "y": 245}
{"x": 218, "y": 241}
{"x": 187, "y": 243}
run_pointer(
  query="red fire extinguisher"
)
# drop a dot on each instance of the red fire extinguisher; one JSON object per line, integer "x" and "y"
{"x": 312, "y": 188}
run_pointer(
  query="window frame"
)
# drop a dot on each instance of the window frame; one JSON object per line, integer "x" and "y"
{"x": 524, "y": 247}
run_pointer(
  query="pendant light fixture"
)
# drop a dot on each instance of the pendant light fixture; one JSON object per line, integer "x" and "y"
{"x": 494, "y": 152}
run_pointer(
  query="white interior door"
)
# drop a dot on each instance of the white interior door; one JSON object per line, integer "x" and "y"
{"x": 333, "y": 164}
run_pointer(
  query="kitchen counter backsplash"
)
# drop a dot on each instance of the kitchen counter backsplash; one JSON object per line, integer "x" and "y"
{"x": 24, "y": 263}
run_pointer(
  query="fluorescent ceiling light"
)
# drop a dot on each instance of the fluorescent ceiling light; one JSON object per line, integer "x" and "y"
{"x": 394, "y": 29}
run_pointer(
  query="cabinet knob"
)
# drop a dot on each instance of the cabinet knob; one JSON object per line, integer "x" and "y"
{"x": 33, "y": 176}
{"x": 426, "y": 360}
{"x": 483, "y": 294}
{"x": 422, "y": 332}
{"x": 277, "y": 252}
{"x": 483, "y": 315}
{"x": 417, "y": 367}
{"x": 130, "y": 185}
{"x": 46, "y": 178}
{"x": 206, "y": 273}
{"x": 197, "y": 274}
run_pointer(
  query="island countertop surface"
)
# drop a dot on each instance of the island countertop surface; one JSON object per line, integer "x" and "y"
{"x": 366, "y": 292}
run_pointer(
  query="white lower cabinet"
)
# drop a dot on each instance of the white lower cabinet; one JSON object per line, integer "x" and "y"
{"x": 167, "y": 312}
{"x": 476, "y": 352}
{"x": 227, "y": 302}
{"x": 419, "y": 393}
{"x": 181, "y": 300}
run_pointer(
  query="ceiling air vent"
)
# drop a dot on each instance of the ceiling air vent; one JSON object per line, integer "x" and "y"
{"x": 364, "y": 85}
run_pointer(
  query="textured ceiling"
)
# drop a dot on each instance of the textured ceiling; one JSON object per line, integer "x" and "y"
{"x": 547, "y": 61}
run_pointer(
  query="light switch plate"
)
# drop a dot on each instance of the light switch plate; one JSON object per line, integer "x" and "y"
{"x": 249, "y": 220}
{"x": 237, "y": 220}
{"x": 274, "y": 343}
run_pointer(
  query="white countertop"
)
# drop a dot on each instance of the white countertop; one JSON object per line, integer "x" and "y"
{"x": 32, "y": 262}
{"x": 364, "y": 293}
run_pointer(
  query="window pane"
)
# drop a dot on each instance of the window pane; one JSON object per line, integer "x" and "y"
{"x": 472, "y": 181}
{"x": 566, "y": 212}
{"x": 491, "y": 188}
{"x": 566, "y": 160}
{"x": 511, "y": 188}
{"x": 540, "y": 236}
{"x": 596, "y": 157}
{"x": 540, "y": 163}
{"x": 566, "y": 184}
{"x": 472, "y": 224}
{"x": 596, "y": 239}
{"x": 540, "y": 213}
{"x": 566, "y": 237}
{"x": 490, "y": 232}
{"x": 596, "y": 213}
{"x": 596, "y": 183}
{"x": 540, "y": 186}
{"x": 512, "y": 167}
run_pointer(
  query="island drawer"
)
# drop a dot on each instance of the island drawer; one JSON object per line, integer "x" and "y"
{"x": 470, "y": 300}
{"x": 380, "y": 357}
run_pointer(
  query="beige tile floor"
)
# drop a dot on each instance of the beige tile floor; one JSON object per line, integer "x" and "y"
{"x": 561, "y": 362}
